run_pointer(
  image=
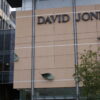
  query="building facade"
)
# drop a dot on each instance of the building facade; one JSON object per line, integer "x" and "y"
{"x": 45, "y": 45}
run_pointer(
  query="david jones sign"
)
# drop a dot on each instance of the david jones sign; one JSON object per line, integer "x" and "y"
{"x": 64, "y": 18}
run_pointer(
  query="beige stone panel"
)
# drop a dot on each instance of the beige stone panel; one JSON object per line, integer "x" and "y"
{"x": 87, "y": 47}
{"x": 64, "y": 60}
{"x": 44, "y": 62}
{"x": 47, "y": 29}
{"x": 44, "y": 38}
{"x": 98, "y": 26}
{"x": 23, "y": 27}
{"x": 64, "y": 43}
{"x": 61, "y": 76}
{"x": 23, "y": 13}
{"x": 61, "y": 45}
{"x": 23, "y": 49}
{"x": 87, "y": 44}
{"x": 53, "y": 11}
{"x": 23, "y": 46}
{"x": 63, "y": 50}
{"x": 98, "y": 34}
{"x": 85, "y": 8}
{"x": 89, "y": 26}
{"x": 87, "y": 35}
{"x": 45, "y": 44}
{"x": 22, "y": 75}
{"x": 22, "y": 79}
{"x": 25, "y": 52}
{"x": 97, "y": 7}
{"x": 44, "y": 51}
{"x": 62, "y": 10}
{"x": 23, "y": 64}
{"x": 23, "y": 40}
{"x": 22, "y": 85}
{"x": 63, "y": 37}
{"x": 44, "y": 12}
{"x": 54, "y": 84}
{"x": 63, "y": 28}
{"x": 87, "y": 41}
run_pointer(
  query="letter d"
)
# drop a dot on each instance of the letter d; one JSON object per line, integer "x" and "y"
{"x": 41, "y": 20}
{"x": 65, "y": 18}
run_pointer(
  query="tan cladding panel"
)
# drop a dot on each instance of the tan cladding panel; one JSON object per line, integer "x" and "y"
{"x": 97, "y": 7}
{"x": 62, "y": 78}
{"x": 54, "y": 50}
{"x": 24, "y": 27}
{"x": 55, "y": 84}
{"x": 24, "y": 53}
{"x": 93, "y": 47}
{"x": 89, "y": 26}
{"x": 54, "y": 37}
{"x": 23, "y": 64}
{"x": 23, "y": 40}
{"x": 22, "y": 78}
{"x": 63, "y": 61}
{"x": 23, "y": 50}
{"x": 87, "y": 35}
{"x": 24, "y": 24}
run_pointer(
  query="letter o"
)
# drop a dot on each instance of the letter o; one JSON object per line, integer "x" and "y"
{"x": 86, "y": 16}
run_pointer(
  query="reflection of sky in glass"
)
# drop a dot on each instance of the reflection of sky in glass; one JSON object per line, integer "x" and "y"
{"x": 43, "y": 4}
{"x": 63, "y": 3}
{"x": 87, "y": 2}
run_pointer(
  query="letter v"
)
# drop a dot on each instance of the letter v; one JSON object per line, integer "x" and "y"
{"x": 53, "y": 18}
